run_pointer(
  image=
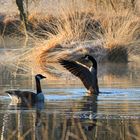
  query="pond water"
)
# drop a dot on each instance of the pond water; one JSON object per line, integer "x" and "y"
{"x": 69, "y": 113}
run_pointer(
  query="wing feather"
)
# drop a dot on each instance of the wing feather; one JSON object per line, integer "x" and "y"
{"x": 79, "y": 70}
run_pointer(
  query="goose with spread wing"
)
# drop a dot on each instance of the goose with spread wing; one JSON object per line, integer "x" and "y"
{"x": 88, "y": 76}
{"x": 28, "y": 97}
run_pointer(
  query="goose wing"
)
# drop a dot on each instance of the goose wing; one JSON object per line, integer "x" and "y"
{"x": 78, "y": 70}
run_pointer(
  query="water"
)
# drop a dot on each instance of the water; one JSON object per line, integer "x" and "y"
{"x": 69, "y": 113}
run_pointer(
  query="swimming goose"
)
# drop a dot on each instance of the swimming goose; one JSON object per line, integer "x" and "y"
{"x": 28, "y": 97}
{"x": 87, "y": 75}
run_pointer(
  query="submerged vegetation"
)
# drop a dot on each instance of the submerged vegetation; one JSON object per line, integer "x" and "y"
{"x": 109, "y": 30}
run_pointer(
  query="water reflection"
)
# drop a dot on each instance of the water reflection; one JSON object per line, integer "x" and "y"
{"x": 31, "y": 123}
{"x": 20, "y": 123}
{"x": 69, "y": 119}
{"x": 88, "y": 113}
{"x": 71, "y": 123}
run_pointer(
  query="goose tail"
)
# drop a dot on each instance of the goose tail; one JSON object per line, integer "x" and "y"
{"x": 12, "y": 93}
{"x": 9, "y": 92}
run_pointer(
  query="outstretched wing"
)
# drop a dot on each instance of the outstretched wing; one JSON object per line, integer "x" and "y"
{"x": 78, "y": 70}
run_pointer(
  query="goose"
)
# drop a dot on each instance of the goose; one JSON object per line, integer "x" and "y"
{"x": 28, "y": 97}
{"x": 88, "y": 76}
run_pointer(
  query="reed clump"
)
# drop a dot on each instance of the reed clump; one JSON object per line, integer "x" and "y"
{"x": 112, "y": 36}
{"x": 107, "y": 30}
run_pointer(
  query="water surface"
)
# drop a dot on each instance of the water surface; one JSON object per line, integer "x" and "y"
{"x": 69, "y": 112}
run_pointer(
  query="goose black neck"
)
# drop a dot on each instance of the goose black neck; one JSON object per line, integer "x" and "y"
{"x": 38, "y": 86}
{"x": 94, "y": 62}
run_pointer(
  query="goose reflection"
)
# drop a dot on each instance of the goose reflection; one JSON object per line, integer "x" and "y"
{"x": 78, "y": 120}
{"x": 84, "y": 121}
{"x": 15, "y": 119}
{"x": 39, "y": 108}
{"x": 91, "y": 106}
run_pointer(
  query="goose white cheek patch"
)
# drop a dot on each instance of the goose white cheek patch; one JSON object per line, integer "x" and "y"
{"x": 38, "y": 77}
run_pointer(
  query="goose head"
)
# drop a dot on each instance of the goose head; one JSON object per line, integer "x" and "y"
{"x": 39, "y": 76}
{"x": 92, "y": 59}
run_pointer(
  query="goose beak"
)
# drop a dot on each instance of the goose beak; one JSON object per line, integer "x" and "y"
{"x": 43, "y": 77}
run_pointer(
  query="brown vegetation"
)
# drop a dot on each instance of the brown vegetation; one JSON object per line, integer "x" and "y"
{"x": 109, "y": 30}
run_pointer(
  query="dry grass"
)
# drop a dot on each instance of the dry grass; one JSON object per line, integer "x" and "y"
{"x": 82, "y": 31}
{"x": 80, "y": 27}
